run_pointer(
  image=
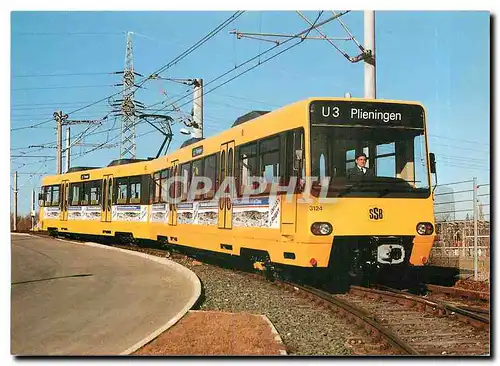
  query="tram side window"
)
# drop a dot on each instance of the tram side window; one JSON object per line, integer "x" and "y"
{"x": 248, "y": 164}
{"x": 197, "y": 171}
{"x": 95, "y": 192}
{"x": 293, "y": 155}
{"x": 164, "y": 175}
{"x": 211, "y": 173}
{"x": 55, "y": 195}
{"x": 135, "y": 190}
{"x": 270, "y": 159}
{"x": 50, "y": 196}
{"x": 122, "y": 190}
{"x": 175, "y": 187}
{"x": 222, "y": 163}
{"x": 159, "y": 187}
{"x": 156, "y": 191}
{"x": 85, "y": 194}
{"x": 42, "y": 196}
{"x": 75, "y": 189}
{"x": 185, "y": 172}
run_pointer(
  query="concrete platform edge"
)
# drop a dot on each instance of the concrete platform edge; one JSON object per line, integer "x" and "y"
{"x": 176, "y": 266}
{"x": 277, "y": 336}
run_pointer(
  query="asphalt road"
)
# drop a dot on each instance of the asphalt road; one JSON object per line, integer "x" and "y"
{"x": 72, "y": 299}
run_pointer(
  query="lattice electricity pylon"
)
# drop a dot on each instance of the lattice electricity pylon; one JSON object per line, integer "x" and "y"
{"x": 127, "y": 146}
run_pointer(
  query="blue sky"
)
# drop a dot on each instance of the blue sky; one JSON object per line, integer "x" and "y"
{"x": 441, "y": 59}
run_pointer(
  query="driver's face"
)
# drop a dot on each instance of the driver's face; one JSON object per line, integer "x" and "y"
{"x": 361, "y": 161}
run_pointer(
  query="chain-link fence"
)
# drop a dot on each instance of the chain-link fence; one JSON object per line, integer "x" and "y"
{"x": 462, "y": 214}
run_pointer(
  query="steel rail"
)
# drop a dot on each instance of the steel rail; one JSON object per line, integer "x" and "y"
{"x": 369, "y": 320}
{"x": 434, "y": 306}
{"x": 455, "y": 291}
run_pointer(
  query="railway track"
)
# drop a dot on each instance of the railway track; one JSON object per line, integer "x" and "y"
{"x": 383, "y": 340}
{"x": 459, "y": 292}
{"x": 396, "y": 322}
{"x": 430, "y": 327}
{"x": 477, "y": 316}
{"x": 474, "y": 301}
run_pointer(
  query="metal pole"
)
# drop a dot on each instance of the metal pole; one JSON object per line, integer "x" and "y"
{"x": 463, "y": 241}
{"x": 15, "y": 201}
{"x": 198, "y": 108}
{"x": 32, "y": 213}
{"x": 58, "y": 119}
{"x": 68, "y": 148}
{"x": 474, "y": 198}
{"x": 370, "y": 75}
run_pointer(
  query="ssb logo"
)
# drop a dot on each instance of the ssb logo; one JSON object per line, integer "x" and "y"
{"x": 376, "y": 213}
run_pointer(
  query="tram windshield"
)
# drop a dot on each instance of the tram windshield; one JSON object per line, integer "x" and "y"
{"x": 390, "y": 135}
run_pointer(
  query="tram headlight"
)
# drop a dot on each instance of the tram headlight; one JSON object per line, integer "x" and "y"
{"x": 425, "y": 228}
{"x": 321, "y": 228}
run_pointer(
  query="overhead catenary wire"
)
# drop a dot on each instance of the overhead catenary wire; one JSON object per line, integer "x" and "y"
{"x": 64, "y": 87}
{"x": 361, "y": 48}
{"x": 298, "y": 36}
{"x": 210, "y": 35}
{"x": 51, "y": 144}
{"x": 60, "y": 75}
{"x": 52, "y": 104}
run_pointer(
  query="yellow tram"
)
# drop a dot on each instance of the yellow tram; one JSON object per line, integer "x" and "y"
{"x": 305, "y": 211}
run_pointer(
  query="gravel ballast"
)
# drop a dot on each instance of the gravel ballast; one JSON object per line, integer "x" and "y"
{"x": 305, "y": 328}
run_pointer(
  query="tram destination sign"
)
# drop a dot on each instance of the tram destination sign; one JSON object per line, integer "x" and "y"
{"x": 366, "y": 113}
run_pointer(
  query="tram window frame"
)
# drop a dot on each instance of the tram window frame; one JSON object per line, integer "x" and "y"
{"x": 230, "y": 159}
{"x": 72, "y": 188}
{"x": 185, "y": 181}
{"x": 47, "y": 196}
{"x": 212, "y": 175}
{"x": 222, "y": 165}
{"x": 48, "y": 193}
{"x": 200, "y": 163}
{"x": 133, "y": 182}
{"x": 120, "y": 182}
{"x": 156, "y": 187}
{"x": 143, "y": 180}
{"x": 164, "y": 176}
{"x": 175, "y": 185}
{"x": 41, "y": 197}
{"x": 294, "y": 140}
{"x": 252, "y": 151}
{"x": 56, "y": 188}
{"x": 85, "y": 194}
{"x": 94, "y": 185}
{"x": 270, "y": 146}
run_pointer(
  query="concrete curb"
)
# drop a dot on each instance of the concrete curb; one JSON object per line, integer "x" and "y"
{"x": 20, "y": 234}
{"x": 195, "y": 281}
{"x": 277, "y": 336}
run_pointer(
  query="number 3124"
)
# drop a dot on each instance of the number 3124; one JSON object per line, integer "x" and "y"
{"x": 315, "y": 208}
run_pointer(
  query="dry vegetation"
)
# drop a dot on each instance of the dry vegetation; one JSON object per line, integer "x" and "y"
{"x": 23, "y": 223}
{"x": 215, "y": 333}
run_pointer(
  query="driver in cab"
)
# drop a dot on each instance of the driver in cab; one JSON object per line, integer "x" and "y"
{"x": 360, "y": 169}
